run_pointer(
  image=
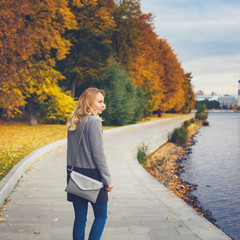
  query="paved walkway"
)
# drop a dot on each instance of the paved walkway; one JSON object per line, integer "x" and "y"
{"x": 140, "y": 208}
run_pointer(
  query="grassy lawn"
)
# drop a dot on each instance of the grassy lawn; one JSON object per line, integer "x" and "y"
{"x": 18, "y": 139}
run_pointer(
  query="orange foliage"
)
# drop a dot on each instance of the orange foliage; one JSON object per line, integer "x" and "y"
{"x": 29, "y": 28}
{"x": 157, "y": 63}
{"x": 15, "y": 48}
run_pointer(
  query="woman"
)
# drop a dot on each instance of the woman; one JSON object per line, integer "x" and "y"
{"x": 90, "y": 160}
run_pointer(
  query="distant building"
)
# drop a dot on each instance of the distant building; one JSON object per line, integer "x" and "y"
{"x": 200, "y": 96}
{"x": 238, "y": 101}
{"x": 226, "y": 101}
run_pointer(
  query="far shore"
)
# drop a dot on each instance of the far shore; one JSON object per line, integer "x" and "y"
{"x": 219, "y": 111}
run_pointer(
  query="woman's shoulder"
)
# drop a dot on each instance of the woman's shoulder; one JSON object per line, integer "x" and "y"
{"x": 94, "y": 120}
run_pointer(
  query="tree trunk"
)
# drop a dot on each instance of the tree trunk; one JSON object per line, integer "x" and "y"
{"x": 32, "y": 118}
{"x": 73, "y": 86}
{"x": 159, "y": 113}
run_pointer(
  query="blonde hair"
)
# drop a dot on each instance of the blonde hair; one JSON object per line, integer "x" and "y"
{"x": 83, "y": 108}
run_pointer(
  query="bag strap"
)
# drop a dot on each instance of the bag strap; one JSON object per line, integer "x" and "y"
{"x": 78, "y": 145}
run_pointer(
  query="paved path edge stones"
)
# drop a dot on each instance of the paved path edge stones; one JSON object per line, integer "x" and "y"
{"x": 8, "y": 183}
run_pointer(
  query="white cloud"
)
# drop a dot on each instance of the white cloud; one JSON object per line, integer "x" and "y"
{"x": 203, "y": 25}
{"x": 215, "y": 74}
{"x": 206, "y": 37}
{"x": 215, "y": 64}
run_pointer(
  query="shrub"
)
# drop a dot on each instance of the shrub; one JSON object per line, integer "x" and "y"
{"x": 201, "y": 107}
{"x": 179, "y": 136}
{"x": 142, "y": 154}
{"x": 56, "y": 108}
{"x": 186, "y": 124}
{"x": 201, "y": 115}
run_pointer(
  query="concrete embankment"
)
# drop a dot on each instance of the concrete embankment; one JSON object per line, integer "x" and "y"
{"x": 139, "y": 207}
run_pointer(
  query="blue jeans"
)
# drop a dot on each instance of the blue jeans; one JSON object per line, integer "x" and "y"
{"x": 100, "y": 214}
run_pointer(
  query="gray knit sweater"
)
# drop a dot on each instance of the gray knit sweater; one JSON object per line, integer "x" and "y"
{"x": 90, "y": 158}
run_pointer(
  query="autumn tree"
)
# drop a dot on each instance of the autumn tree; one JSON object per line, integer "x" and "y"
{"x": 126, "y": 36}
{"x": 146, "y": 70}
{"x": 31, "y": 48}
{"x": 16, "y": 47}
{"x": 157, "y": 64}
{"x": 173, "y": 93}
{"x": 48, "y": 21}
{"x": 189, "y": 96}
{"x": 91, "y": 50}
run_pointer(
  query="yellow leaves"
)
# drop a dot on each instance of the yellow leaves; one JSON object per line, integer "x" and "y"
{"x": 170, "y": 217}
{"x": 18, "y": 140}
{"x": 68, "y": 18}
{"x": 81, "y": 4}
{"x": 30, "y": 168}
{"x": 77, "y": 3}
{"x": 2, "y": 219}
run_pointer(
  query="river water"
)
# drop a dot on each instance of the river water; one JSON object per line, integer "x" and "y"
{"x": 214, "y": 166}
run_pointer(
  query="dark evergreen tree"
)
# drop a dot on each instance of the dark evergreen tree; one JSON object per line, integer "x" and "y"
{"x": 125, "y": 103}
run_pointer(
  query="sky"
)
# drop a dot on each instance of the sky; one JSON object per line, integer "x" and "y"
{"x": 205, "y": 35}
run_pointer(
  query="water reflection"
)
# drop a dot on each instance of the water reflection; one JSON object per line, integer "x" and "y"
{"x": 214, "y": 165}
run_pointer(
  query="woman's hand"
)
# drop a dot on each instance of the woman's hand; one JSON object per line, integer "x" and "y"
{"x": 109, "y": 187}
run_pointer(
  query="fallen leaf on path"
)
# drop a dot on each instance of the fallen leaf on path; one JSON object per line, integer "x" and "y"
{"x": 21, "y": 230}
{"x": 8, "y": 199}
{"x": 2, "y": 219}
{"x": 180, "y": 225}
{"x": 30, "y": 168}
{"x": 1, "y": 214}
{"x": 55, "y": 219}
{"x": 36, "y": 232}
{"x": 209, "y": 229}
{"x": 10, "y": 224}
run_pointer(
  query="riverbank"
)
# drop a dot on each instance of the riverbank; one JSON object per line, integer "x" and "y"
{"x": 165, "y": 165}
